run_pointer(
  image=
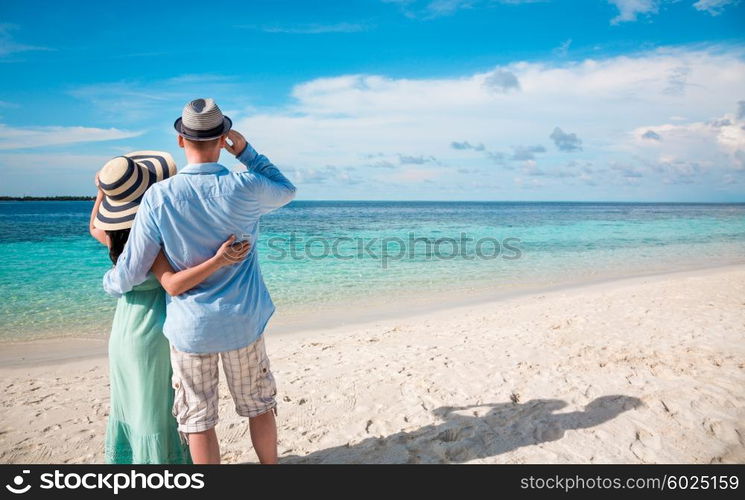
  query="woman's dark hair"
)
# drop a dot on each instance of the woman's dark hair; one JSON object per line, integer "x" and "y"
{"x": 118, "y": 239}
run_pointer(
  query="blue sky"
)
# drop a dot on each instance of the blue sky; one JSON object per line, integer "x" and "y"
{"x": 373, "y": 99}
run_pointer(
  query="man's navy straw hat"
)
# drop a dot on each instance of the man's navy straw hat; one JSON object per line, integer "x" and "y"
{"x": 202, "y": 120}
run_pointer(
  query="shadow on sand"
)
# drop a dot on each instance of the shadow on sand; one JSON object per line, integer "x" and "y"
{"x": 473, "y": 432}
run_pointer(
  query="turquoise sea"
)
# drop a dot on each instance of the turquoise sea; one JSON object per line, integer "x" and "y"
{"x": 323, "y": 255}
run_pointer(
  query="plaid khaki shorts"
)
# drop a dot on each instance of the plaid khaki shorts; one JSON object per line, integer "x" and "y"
{"x": 195, "y": 380}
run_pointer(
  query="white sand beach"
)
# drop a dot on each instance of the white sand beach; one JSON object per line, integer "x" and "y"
{"x": 643, "y": 370}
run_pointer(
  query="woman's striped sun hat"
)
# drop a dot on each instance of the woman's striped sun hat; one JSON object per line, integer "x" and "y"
{"x": 124, "y": 180}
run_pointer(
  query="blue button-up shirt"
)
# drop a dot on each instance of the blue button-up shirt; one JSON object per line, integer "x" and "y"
{"x": 190, "y": 215}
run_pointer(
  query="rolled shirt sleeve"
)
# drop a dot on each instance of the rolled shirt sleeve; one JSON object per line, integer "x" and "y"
{"x": 139, "y": 253}
{"x": 270, "y": 187}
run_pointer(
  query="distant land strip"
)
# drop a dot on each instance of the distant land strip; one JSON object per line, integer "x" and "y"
{"x": 47, "y": 198}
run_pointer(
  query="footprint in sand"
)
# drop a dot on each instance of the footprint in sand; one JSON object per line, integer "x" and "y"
{"x": 646, "y": 446}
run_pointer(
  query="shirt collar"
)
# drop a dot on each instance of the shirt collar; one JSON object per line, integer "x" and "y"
{"x": 202, "y": 168}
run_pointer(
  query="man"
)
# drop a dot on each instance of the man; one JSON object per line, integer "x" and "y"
{"x": 189, "y": 216}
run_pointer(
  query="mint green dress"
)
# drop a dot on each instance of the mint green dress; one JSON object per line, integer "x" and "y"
{"x": 141, "y": 427}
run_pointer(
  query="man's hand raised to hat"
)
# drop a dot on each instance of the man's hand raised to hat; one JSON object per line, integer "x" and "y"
{"x": 236, "y": 143}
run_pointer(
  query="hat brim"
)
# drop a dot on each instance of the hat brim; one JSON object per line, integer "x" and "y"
{"x": 227, "y": 124}
{"x": 155, "y": 166}
{"x": 114, "y": 218}
{"x": 113, "y": 226}
{"x": 114, "y": 215}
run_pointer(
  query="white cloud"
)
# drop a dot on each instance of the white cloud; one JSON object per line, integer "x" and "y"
{"x": 416, "y": 175}
{"x": 356, "y": 129}
{"x": 36, "y": 137}
{"x": 8, "y": 44}
{"x": 608, "y": 103}
{"x": 136, "y": 101}
{"x": 563, "y": 49}
{"x": 629, "y": 10}
{"x": 311, "y": 29}
{"x": 714, "y": 7}
{"x": 322, "y": 175}
{"x": 627, "y": 171}
{"x": 446, "y": 7}
{"x": 49, "y": 162}
{"x": 685, "y": 150}
{"x": 529, "y": 184}
{"x": 433, "y": 9}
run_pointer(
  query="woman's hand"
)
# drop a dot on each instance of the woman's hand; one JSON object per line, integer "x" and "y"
{"x": 98, "y": 234}
{"x": 176, "y": 283}
{"x": 232, "y": 252}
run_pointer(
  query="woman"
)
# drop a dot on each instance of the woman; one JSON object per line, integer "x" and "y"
{"x": 141, "y": 427}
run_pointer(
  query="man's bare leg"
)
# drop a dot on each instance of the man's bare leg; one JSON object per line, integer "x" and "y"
{"x": 204, "y": 447}
{"x": 264, "y": 437}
